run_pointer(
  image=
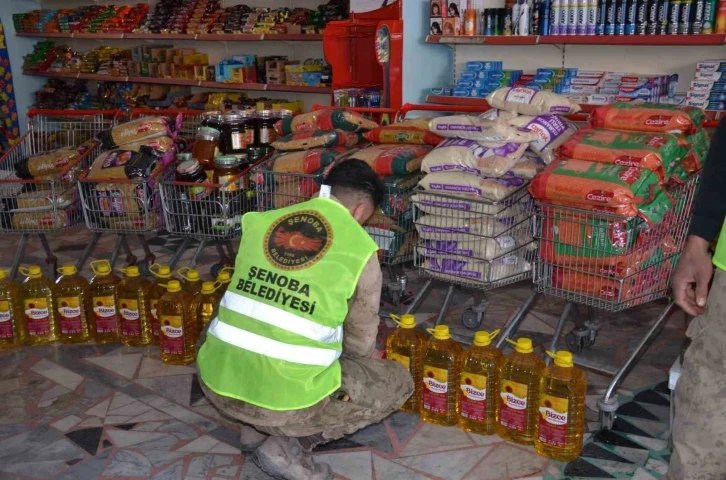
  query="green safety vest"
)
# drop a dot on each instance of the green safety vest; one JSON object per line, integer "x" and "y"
{"x": 279, "y": 332}
{"x": 719, "y": 258}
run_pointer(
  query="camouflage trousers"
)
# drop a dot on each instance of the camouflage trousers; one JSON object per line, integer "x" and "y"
{"x": 375, "y": 389}
{"x": 699, "y": 428}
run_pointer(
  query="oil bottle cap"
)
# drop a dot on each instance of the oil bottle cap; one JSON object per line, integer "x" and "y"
{"x": 188, "y": 274}
{"x": 163, "y": 271}
{"x": 173, "y": 286}
{"x": 101, "y": 267}
{"x": 563, "y": 358}
{"x": 405, "y": 321}
{"x": 209, "y": 287}
{"x": 33, "y": 271}
{"x": 440, "y": 332}
{"x": 225, "y": 275}
{"x": 68, "y": 270}
{"x": 4, "y": 273}
{"x": 522, "y": 345}
{"x": 130, "y": 271}
{"x": 482, "y": 339}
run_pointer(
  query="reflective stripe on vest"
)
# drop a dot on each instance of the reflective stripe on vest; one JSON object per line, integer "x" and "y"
{"x": 271, "y": 348}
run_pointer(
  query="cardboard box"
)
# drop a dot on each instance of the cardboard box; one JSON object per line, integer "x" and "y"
{"x": 452, "y": 26}
{"x": 704, "y": 85}
{"x": 451, "y": 9}
{"x": 711, "y": 66}
{"x": 435, "y": 9}
{"x": 714, "y": 76}
{"x": 295, "y": 107}
{"x": 292, "y": 28}
{"x": 484, "y": 66}
{"x": 437, "y": 27}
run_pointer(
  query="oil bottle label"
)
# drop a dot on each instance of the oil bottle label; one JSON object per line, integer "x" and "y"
{"x": 473, "y": 397}
{"x": 37, "y": 316}
{"x": 129, "y": 311}
{"x": 154, "y": 318}
{"x": 513, "y": 412}
{"x": 6, "y": 316}
{"x": 69, "y": 310}
{"x": 104, "y": 311}
{"x": 172, "y": 335}
{"x": 436, "y": 390}
{"x": 552, "y": 420}
{"x": 402, "y": 359}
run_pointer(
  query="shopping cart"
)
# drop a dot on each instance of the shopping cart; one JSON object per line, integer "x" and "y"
{"x": 190, "y": 120}
{"x": 609, "y": 263}
{"x": 48, "y": 204}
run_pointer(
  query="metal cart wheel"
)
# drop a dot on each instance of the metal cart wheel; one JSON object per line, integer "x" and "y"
{"x": 395, "y": 291}
{"x": 473, "y": 317}
{"x": 580, "y": 338}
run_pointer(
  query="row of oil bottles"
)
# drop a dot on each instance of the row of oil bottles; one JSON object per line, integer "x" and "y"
{"x": 132, "y": 310}
{"x": 485, "y": 392}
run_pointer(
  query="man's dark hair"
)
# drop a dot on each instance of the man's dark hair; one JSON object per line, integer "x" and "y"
{"x": 355, "y": 177}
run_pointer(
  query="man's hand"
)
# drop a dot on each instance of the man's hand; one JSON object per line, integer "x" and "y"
{"x": 692, "y": 276}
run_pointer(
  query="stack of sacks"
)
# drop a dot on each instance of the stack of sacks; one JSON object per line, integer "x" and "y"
{"x": 629, "y": 163}
{"x": 307, "y": 145}
{"x": 34, "y": 205}
{"x": 137, "y": 151}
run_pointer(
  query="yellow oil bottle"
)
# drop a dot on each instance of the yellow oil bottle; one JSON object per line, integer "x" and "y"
{"x": 12, "y": 329}
{"x": 479, "y": 385}
{"x": 177, "y": 326}
{"x": 72, "y": 299}
{"x": 440, "y": 378}
{"x": 134, "y": 309}
{"x": 163, "y": 275}
{"x": 224, "y": 277}
{"x": 36, "y": 294}
{"x": 208, "y": 304}
{"x": 103, "y": 314}
{"x": 519, "y": 387}
{"x": 406, "y": 346}
{"x": 561, "y": 422}
{"x": 192, "y": 283}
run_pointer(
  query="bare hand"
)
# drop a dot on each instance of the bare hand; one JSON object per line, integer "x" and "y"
{"x": 692, "y": 276}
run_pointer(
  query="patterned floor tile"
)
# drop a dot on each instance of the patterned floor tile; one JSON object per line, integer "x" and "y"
{"x": 124, "y": 365}
{"x": 352, "y": 465}
{"x": 127, "y": 463}
{"x": 507, "y": 461}
{"x": 450, "y": 465}
{"x": 433, "y": 438}
{"x": 87, "y": 438}
{"x": 175, "y": 387}
{"x": 151, "y": 367}
{"x": 387, "y": 470}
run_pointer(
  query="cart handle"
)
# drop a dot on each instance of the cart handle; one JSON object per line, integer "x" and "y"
{"x": 36, "y": 112}
{"x": 138, "y": 111}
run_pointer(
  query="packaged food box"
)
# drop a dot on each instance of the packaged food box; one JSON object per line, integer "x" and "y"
{"x": 480, "y": 66}
{"x": 705, "y": 85}
{"x": 711, "y": 66}
{"x": 714, "y": 76}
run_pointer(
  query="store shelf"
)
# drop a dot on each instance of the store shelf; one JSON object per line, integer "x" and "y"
{"x": 633, "y": 40}
{"x": 190, "y": 83}
{"x": 260, "y": 37}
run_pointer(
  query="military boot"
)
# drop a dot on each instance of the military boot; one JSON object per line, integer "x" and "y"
{"x": 250, "y": 439}
{"x": 284, "y": 458}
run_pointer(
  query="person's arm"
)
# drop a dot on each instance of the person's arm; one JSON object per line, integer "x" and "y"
{"x": 694, "y": 270}
{"x": 361, "y": 324}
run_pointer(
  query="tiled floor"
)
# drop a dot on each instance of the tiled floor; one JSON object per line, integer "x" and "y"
{"x": 105, "y": 411}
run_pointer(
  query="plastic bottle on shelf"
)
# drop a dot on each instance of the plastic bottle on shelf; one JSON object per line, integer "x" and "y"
{"x": 406, "y": 346}
{"x": 158, "y": 288}
{"x": 208, "y": 304}
{"x": 72, "y": 299}
{"x": 191, "y": 283}
{"x": 561, "y": 422}
{"x": 440, "y": 378}
{"x": 519, "y": 386}
{"x": 103, "y": 315}
{"x": 39, "y": 317}
{"x": 178, "y": 337}
{"x": 134, "y": 309}
{"x": 479, "y": 385}
{"x": 12, "y": 329}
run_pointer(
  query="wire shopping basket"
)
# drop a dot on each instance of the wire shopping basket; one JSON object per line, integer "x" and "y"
{"x": 39, "y": 195}
{"x": 190, "y": 119}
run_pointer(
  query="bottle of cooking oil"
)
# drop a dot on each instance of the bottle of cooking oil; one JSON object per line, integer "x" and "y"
{"x": 12, "y": 329}
{"x": 163, "y": 275}
{"x": 134, "y": 309}
{"x": 191, "y": 283}
{"x": 38, "y": 304}
{"x": 406, "y": 346}
{"x": 177, "y": 327}
{"x": 561, "y": 421}
{"x": 71, "y": 301}
{"x": 103, "y": 314}
{"x": 224, "y": 277}
{"x": 479, "y": 385}
{"x": 519, "y": 386}
{"x": 440, "y": 378}
{"x": 208, "y": 303}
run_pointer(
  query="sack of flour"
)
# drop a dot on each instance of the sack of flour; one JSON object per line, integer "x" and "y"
{"x": 483, "y": 159}
{"x": 492, "y": 189}
{"x": 473, "y": 128}
{"x": 552, "y": 131}
{"x": 526, "y": 101}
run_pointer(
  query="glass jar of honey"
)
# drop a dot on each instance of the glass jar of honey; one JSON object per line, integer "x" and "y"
{"x": 205, "y": 147}
{"x": 233, "y": 139}
{"x": 226, "y": 168}
{"x": 212, "y": 119}
{"x": 265, "y": 127}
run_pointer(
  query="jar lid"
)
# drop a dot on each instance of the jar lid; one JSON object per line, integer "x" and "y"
{"x": 188, "y": 166}
{"x": 227, "y": 160}
{"x": 283, "y": 113}
{"x": 265, "y": 114}
{"x": 233, "y": 116}
{"x": 208, "y": 133}
{"x": 183, "y": 157}
{"x": 212, "y": 113}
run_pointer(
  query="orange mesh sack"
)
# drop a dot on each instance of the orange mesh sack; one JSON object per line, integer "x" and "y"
{"x": 648, "y": 117}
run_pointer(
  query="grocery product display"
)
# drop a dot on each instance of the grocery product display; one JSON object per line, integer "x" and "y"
{"x": 479, "y": 368}
{"x": 38, "y": 304}
{"x": 406, "y": 346}
{"x": 440, "y": 376}
{"x": 72, "y": 297}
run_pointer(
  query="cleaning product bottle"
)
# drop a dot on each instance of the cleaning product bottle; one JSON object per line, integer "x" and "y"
{"x": 208, "y": 304}
{"x": 479, "y": 385}
{"x": 177, "y": 327}
{"x": 36, "y": 294}
{"x": 519, "y": 386}
{"x": 72, "y": 301}
{"x": 134, "y": 308}
{"x": 12, "y": 329}
{"x": 440, "y": 377}
{"x": 192, "y": 284}
{"x": 158, "y": 288}
{"x": 406, "y": 346}
{"x": 561, "y": 421}
{"x": 103, "y": 314}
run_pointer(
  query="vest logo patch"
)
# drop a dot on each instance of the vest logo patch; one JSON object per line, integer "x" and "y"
{"x": 298, "y": 240}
